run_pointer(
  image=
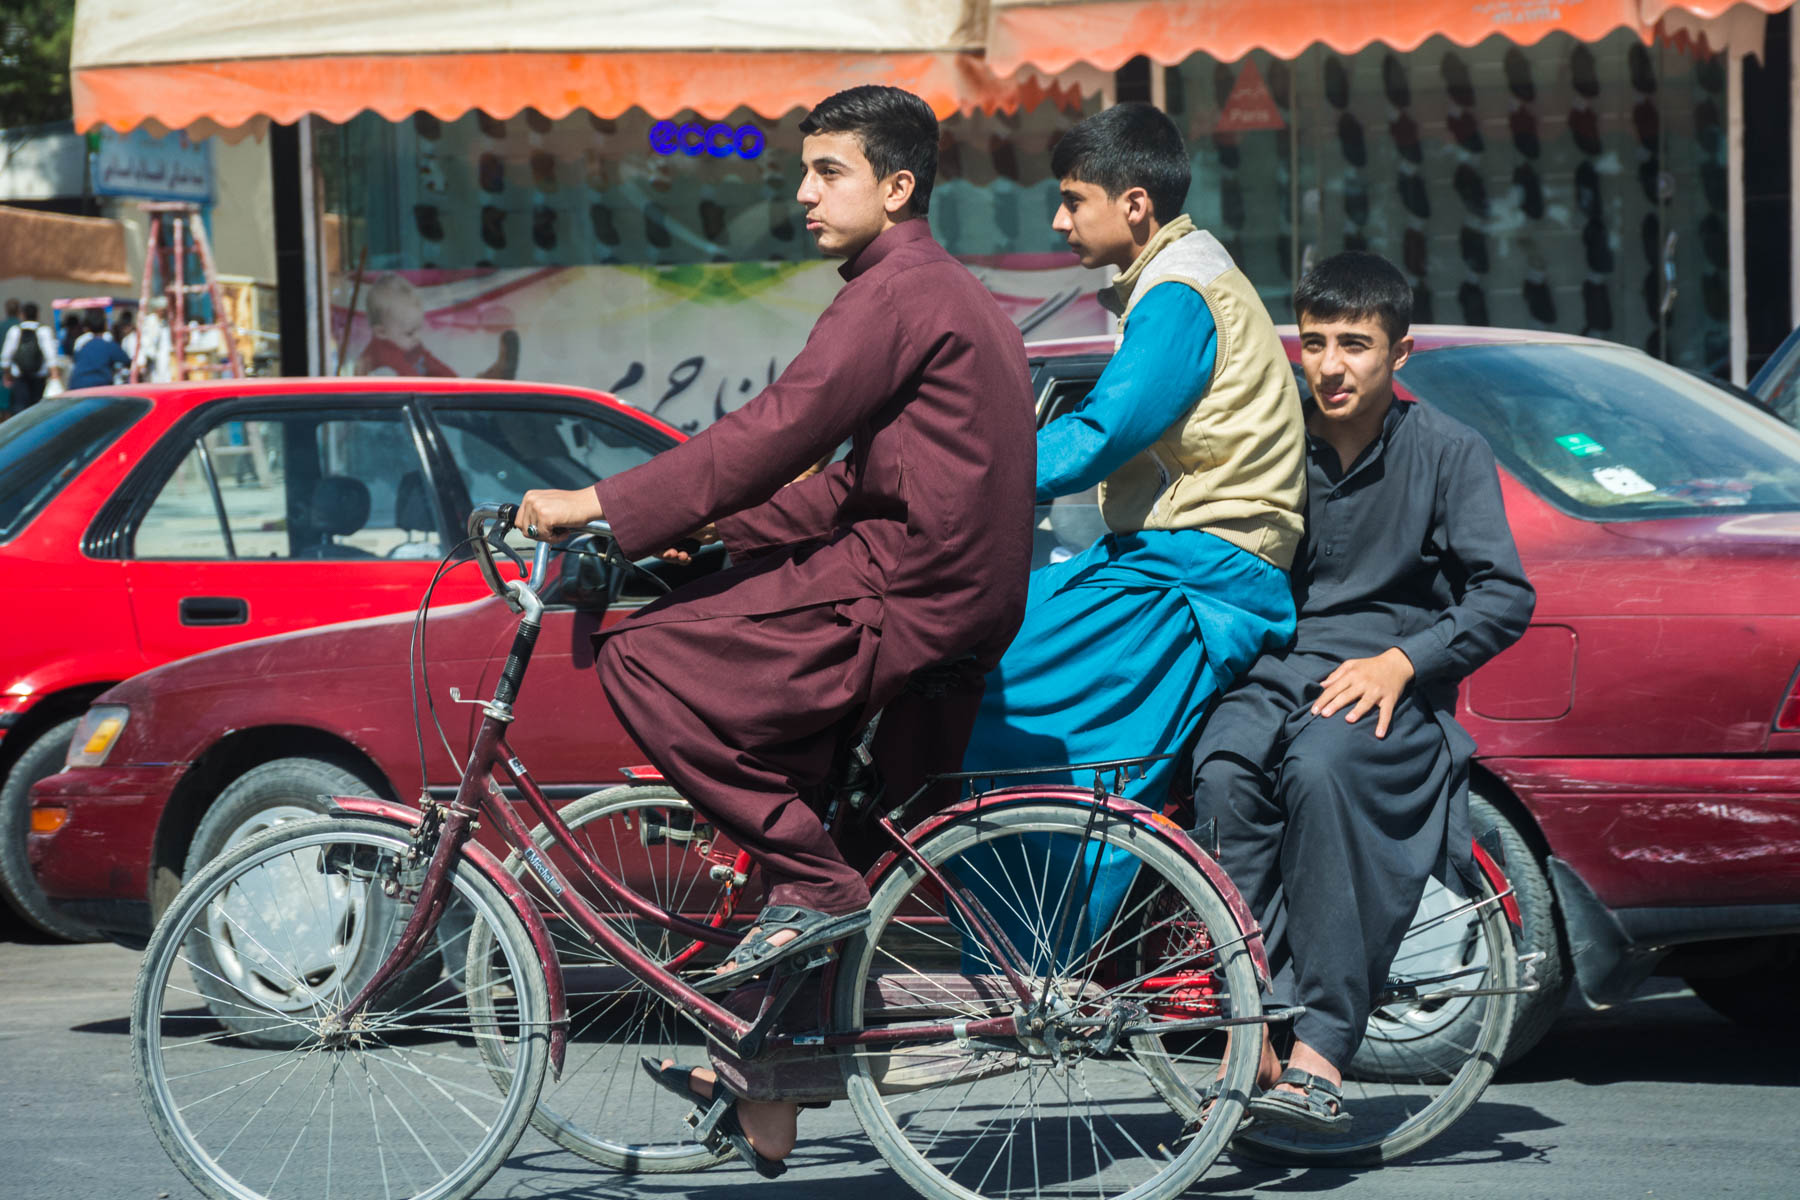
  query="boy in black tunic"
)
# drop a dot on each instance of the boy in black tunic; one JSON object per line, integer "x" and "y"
{"x": 1336, "y": 770}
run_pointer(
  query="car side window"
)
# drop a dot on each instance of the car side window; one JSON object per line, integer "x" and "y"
{"x": 1061, "y": 396}
{"x": 344, "y": 485}
{"x": 503, "y": 453}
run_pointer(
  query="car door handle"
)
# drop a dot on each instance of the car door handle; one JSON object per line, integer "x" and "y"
{"x": 214, "y": 610}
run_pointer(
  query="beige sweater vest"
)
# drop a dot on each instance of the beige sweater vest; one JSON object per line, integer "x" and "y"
{"x": 1235, "y": 464}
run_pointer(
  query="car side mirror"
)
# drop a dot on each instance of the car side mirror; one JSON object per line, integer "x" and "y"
{"x": 584, "y": 578}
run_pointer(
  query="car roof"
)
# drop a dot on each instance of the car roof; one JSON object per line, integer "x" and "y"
{"x": 1425, "y": 337}
{"x": 183, "y": 397}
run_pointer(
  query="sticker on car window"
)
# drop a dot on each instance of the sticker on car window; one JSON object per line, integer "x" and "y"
{"x": 1580, "y": 444}
{"x": 1622, "y": 481}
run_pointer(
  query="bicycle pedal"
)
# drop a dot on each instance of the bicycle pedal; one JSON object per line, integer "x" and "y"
{"x": 706, "y": 1125}
{"x": 820, "y": 959}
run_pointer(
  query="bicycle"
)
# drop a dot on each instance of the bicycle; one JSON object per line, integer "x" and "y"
{"x": 404, "y": 1080}
{"x": 960, "y": 1052}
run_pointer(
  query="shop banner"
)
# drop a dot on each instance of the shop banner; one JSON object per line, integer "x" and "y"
{"x": 685, "y": 343}
{"x": 153, "y": 168}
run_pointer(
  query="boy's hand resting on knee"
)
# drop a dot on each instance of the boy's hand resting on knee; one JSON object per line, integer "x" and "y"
{"x": 1366, "y": 683}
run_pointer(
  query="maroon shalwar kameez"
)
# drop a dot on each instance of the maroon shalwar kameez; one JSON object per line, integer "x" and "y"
{"x": 912, "y": 551}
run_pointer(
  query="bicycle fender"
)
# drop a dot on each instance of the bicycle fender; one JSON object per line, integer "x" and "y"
{"x": 1171, "y": 833}
{"x": 1509, "y": 903}
{"x": 500, "y": 877}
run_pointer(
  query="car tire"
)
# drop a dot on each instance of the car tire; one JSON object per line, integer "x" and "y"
{"x": 40, "y": 760}
{"x": 259, "y": 799}
{"x": 1538, "y": 933}
{"x": 283, "y": 790}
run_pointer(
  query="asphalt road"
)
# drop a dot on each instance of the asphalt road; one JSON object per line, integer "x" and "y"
{"x": 1659, "y": 1098}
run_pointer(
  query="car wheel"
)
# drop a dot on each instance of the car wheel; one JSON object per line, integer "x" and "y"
{"x": 1537, "y": 1010}
{"x": 229, "y": 968}
{"x": 40, "y": 760}
{"x": 1762, "y": 998}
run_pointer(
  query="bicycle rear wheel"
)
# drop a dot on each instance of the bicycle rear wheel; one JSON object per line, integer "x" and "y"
{"x": 1433, "y": 1042}
{"x": 604, "y": 1108}
{"x": 401, "y": 1103}
{"x": 1118, "y": 931}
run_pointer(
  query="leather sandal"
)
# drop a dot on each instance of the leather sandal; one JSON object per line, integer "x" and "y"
{"x": 814, "y": 932}
{"x": 1318, "y": 1108}
{"x": 680, "y": 1080}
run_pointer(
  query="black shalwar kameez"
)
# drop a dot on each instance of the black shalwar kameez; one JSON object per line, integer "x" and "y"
{"x": 1330, "y": 832}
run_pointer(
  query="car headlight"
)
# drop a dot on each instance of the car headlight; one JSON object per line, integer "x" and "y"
{"x": 96, "y": 735}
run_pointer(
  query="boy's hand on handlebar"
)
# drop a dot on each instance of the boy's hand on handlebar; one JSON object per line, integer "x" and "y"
{"x": 543, "y": 513}
{"x": 683, "y": 551}
{"x": 1366, "y": 683}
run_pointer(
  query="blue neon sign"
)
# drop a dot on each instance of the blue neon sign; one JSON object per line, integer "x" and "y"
{"x": 718, "y": 139}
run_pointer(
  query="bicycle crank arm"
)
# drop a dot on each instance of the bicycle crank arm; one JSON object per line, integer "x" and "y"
{"x": 1201, "y": 1024}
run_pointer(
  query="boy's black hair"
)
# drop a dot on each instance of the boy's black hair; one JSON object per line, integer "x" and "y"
{"x": 898, "y": 132}
{"x": 1126, "y": 146}
{"x": 94, "y": 321}
{"x": 30, "y": 310}
{"x": 1356, "y": 284}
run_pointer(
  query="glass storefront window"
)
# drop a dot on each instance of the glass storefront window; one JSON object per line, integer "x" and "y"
{"x": 481, "y": 192}
{"x": 665, "y": 261}
{"x": 1562, "y": 185}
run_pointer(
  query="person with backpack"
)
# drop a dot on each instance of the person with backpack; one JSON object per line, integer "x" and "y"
{"x": 25, "y": 359}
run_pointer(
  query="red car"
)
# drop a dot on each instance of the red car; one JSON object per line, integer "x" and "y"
{"x": 1636, "y": 747}
{"x": 141, "y": 524}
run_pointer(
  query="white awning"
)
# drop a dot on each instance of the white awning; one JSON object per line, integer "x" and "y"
{"x": 227, "y": 62}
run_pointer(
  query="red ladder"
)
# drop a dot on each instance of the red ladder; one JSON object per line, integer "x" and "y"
{"x": 186, "y": 232}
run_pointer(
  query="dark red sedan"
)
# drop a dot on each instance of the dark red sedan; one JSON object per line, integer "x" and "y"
{"x": 142, "y": 524}
{"x": 1637, "y": 747}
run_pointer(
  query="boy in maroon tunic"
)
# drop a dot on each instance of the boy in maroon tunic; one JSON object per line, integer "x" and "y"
{"x": 911, "y": 552}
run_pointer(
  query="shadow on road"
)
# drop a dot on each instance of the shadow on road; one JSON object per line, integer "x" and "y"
{"x": 1665, "y": 1035}
{"x": 14, "y": 929}
{"x": 557, "y": 1175}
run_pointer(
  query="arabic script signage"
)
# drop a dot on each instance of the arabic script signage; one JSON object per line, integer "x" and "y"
{"x": 153, "y": 168}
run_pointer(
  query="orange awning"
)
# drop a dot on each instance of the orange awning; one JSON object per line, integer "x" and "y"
{"x": 1052, "y": 35}
{"x": 227, "y": 62}
{"x": 178, "y": 95}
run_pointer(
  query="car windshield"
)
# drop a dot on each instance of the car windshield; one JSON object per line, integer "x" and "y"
{"x": 1609, "y": 434}
{"x": 48, "y": 444}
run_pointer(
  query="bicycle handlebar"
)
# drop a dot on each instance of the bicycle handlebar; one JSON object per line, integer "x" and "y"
{"x": 489, "y": 540}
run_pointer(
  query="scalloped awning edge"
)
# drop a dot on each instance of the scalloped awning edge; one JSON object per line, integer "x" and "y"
{"x": 1107, "y": 33}
{"x": 772, "y": 84}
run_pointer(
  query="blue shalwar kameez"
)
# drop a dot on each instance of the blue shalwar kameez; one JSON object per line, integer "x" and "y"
{"x": 1126, "y": 646}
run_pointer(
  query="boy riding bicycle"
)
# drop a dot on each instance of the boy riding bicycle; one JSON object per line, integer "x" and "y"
{"x": 1336, "y": 771}
{"x": 1193, "y": 434}
{"x": 910, "y": 553}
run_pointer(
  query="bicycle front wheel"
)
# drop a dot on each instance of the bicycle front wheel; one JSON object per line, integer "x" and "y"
{"x": 1131, "y": 956}
{"x": 1433, "y": 1040}
{"x": 401, "y": 1102}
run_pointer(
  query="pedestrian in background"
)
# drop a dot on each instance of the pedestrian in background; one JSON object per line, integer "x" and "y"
{"x": 69, "y": 336}
{"x": 25, "y": 359}
{"x": 10, "y": 319}
{"x": 97, "y": 357}
{"x": 152, "y": 328}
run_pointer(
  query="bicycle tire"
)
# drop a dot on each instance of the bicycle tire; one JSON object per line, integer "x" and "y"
{"x": 603, "y": 1107}
{"x": 1401, "y": 1090}
{"x": 891, "y": 957}
{"x": 385, "y": 1107}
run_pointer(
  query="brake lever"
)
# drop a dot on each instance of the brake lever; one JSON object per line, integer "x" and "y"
{"x": 497, "y": 541}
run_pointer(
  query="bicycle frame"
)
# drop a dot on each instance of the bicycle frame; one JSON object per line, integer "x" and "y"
{"x": 479, "y": 796}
